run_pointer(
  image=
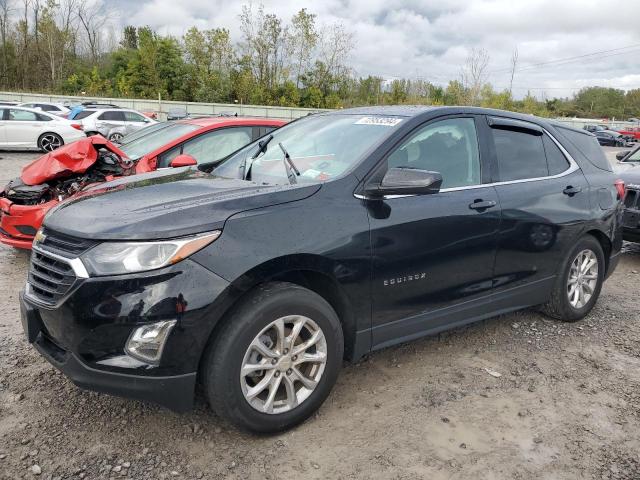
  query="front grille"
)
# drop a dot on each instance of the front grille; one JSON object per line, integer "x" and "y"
{"x": 631, "y": 199}
{"x": 50, "y": 279}
{"x": 65, "y": 245}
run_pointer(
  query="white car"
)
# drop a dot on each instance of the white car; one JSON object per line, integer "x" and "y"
{"x": 113, "y": 123}
{"x": 26, "y": 128}
{"x": 54, "y": 108}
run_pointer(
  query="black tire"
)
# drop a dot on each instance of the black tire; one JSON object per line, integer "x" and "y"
{"x": 559, "y": 306}
{"x": 49, "y": 141}
{"x": 224, "y": 357}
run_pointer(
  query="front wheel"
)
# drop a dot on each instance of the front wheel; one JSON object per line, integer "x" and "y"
{"x": 48, "y": 142}
{"x": 275, "y": 359}
{"x": 579, "y": 283}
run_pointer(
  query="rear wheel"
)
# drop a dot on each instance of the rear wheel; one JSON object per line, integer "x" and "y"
{"x": 275, "y": 360}
{"x": 579, "y": 283}
{"x": 50, "y": 141}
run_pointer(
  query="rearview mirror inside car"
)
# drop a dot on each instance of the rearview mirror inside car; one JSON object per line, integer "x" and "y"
{"x": 621, "y": 155}
{"x": 406, "y": 181}
{"x": 183, "y": 160}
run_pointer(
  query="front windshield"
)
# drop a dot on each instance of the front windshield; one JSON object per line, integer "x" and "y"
{"x": 155, "y": 139}
{"x": 321, "y": 147}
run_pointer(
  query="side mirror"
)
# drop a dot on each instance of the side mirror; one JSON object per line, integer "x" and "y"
{"x": 183, "y": 160}
{"x": 406, "y": 181}
{"x": 621, "y": 155}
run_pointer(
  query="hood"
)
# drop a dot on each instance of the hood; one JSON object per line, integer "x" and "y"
{"x": 164, "y": 204}
{"x": 68, "y": 160}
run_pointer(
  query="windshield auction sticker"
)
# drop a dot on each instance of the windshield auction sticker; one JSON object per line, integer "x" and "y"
{"x": 382, "y": 121}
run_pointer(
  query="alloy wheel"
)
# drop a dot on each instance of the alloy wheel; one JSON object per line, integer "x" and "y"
{"x": 283, "y": 364}
{"x": 583, "y": 278}
{"x": 116, "y": 137}
{"x": 50, "y": 142}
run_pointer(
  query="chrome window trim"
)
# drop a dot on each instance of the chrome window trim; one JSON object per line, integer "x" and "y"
{"x": 573, "y": 166}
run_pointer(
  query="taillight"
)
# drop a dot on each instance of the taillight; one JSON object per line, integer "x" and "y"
{"x": 619, "y": 184}
{"x": 77, "y": 126}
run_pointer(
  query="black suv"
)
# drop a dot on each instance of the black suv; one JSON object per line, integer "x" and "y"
{"x": 336, "y": 235}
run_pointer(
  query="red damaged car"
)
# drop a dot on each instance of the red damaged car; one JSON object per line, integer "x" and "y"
{"x": 62, "y": 173}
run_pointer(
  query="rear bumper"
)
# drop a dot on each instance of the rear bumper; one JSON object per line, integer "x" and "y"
{"x": 175, "y": 392}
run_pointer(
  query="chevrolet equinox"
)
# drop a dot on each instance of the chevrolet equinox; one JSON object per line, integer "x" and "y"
{"x": 339, "y": 234}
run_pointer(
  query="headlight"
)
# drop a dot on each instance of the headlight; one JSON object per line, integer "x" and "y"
{"x": 113, "y": 258}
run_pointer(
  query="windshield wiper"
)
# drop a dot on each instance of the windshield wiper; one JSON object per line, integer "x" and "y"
{"x": 289, "y": 166}
{"x": 243, "y": 171}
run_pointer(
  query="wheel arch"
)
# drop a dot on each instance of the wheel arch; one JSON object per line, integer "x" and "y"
{"x": 308, "y": 271}
{"x": 605, "y": 243}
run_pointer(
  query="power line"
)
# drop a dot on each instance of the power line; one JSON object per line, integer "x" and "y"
{"x": 562, "y": 61}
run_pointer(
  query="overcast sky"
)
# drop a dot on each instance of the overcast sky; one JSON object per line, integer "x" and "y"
{"x": 430, "y": 39}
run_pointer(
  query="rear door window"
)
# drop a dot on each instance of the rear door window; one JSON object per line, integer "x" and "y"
{"x": 112, "y": 115}
{"x": 520, "y": 154}
{"x": 83, "y": 114}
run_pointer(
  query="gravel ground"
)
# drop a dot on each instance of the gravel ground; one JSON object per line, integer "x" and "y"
{"x": 562, "y": 401}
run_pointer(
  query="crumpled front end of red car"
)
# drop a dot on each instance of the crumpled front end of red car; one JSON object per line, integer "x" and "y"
{"x": 52, "y": 178}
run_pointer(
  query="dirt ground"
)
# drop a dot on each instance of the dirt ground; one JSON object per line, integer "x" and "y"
{"x": 563, "y": 403}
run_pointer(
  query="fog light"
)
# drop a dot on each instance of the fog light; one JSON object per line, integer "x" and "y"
{"x": 146, "y": 343}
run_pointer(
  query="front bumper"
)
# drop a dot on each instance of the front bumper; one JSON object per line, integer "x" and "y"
{"x": 85, "y": 334}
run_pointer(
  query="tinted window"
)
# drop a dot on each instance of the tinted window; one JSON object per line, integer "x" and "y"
{"x": 520, "y": 155}
{"x": 50, "y": 108}
{"x": 113, "y": 116}
{"x": 634, "y": 157}
{"x": 22, "y": 115}
{"x": 556, "y": 161}
{"x": 449, "y": 147}
{"x": 588, "y": 146}
{"x": 133, "y": 117}
{"x": 83, "y": 114}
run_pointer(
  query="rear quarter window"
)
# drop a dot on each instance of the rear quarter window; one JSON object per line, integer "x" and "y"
{"x": 82, "y": 114}
{"x": 588, "y": 146}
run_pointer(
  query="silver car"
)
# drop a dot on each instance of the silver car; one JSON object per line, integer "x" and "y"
{"x": 112, "y": 123}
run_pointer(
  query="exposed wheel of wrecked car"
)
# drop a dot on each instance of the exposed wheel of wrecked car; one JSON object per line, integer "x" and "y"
{"x": 49, "y": 142}
{"x": 276, "y": 359}
{"x": 578, "y": 287}
{"x": 116, "y": 137}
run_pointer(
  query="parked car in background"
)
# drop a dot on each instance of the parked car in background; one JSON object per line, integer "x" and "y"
{"x": 53, "y": 108}
{"x": 26, "y": 128}
{"x": 65, "y": 172}
{"x": 177, "y": 114}
{"x": 631, "y": 178}
{"x": 340, "y": 234}
{"x": 630, "y": 132}
{"x": 8, "y": 103}
{"x": 112, "y": 123}
{"x": 610, "y": 138}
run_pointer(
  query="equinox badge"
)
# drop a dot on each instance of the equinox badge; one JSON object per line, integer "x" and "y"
{"x": 405, "y": 279}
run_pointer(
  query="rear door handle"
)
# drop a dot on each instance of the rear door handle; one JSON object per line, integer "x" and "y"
{"x": 482, "y": 204}
{"x": 571, "y": 191}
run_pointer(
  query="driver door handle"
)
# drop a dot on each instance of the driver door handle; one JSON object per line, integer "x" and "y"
{"x": 482, "y": 204}
{"x": 571, "y": 191}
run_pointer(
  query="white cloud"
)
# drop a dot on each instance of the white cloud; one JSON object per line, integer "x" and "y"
{"x": 415, "y": 38}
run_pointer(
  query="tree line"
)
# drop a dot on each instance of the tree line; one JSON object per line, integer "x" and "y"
{"x": 70, "y": 47}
